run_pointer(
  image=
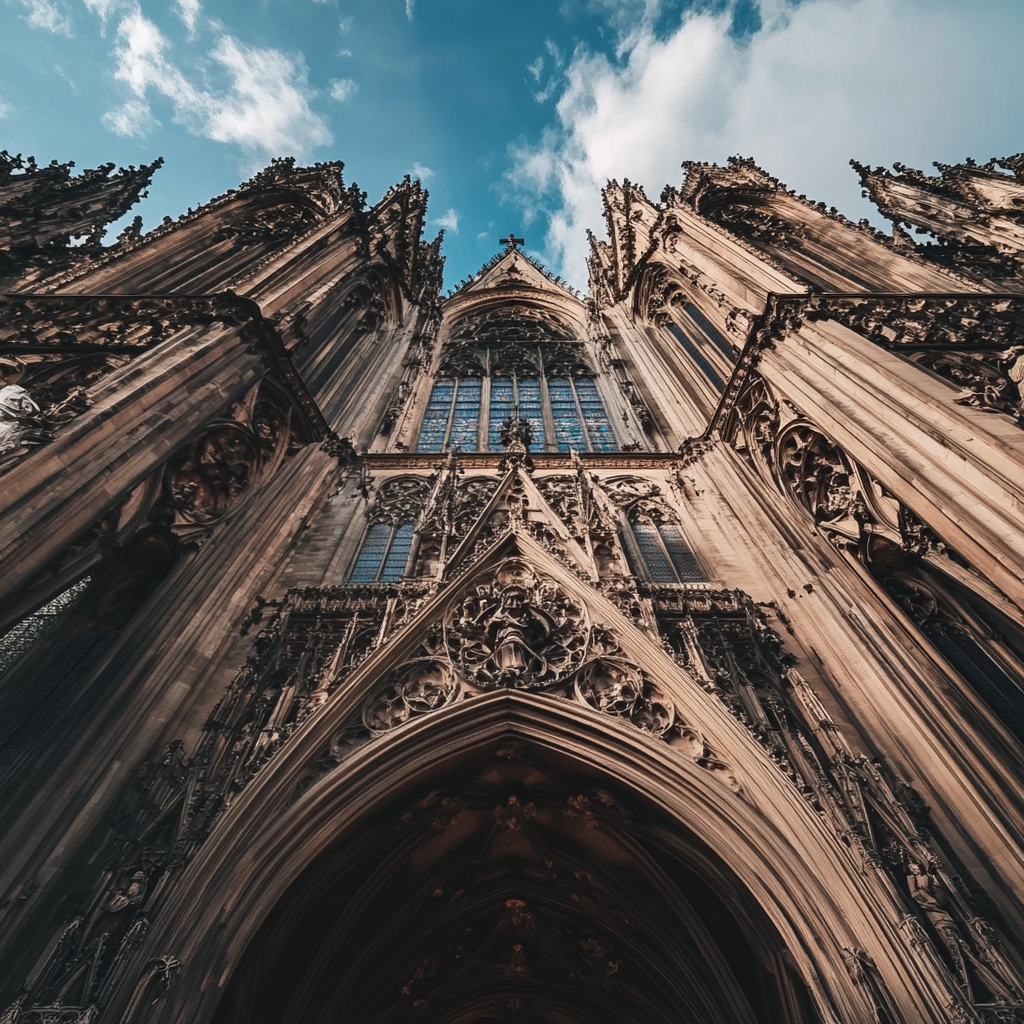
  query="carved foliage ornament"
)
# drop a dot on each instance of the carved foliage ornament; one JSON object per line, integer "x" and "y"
{"x": 815, "y": 472}
{"x": 400, "y": 501}
{"x": 520, "y": 630}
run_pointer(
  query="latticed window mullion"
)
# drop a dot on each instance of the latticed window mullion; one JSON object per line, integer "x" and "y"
{"x": 372, "y": 554}
{"x": 657, "y": 561}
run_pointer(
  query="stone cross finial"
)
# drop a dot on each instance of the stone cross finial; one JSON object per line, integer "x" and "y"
{"x": 512, "y": 242}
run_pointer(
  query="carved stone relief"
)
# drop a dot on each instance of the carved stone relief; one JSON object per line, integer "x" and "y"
{"x": 728, "y": 643}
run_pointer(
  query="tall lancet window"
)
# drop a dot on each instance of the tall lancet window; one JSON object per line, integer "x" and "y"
{"x": 655, "y": 545}
{"x": 549, "y": 385}
{"x": 387, "y": 544}
{"x": 663, "y": 552}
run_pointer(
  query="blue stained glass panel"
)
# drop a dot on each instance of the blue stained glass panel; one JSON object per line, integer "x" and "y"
{"x": 466, "y": 421}
{"x": 502, "y": 405}
{"x": 398, "y": 553}
{"x": 599, "y": 428}
{"x": 532, "y": 409}
{"x": 435, "y": 419}
{"x": 568, "y": 429}
{"x": 375, "y": 544}
{"x": 659, "y": 568}
{"x": 686, "y": 565}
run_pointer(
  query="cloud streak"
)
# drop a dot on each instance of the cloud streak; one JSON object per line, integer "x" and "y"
{"x": 449, "y": 221}
{"x": 46, "y": 14}
{"x": 817, "y": 84}
{"x": 263, "y": 105}
{"x": 342, "y": 89}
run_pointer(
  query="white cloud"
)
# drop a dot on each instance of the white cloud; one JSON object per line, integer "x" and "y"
{"x": 409, "y": 4}
{"x": 132, "y": 119}
{"x": 880, "y": 80}
{"x": 264, "y": 107}
{"x": 67, "y": 78}
{"x": 536, "y": 68}
{"x": 188, "y": 11}
{"x": 344, "y": 24}
{"x": 342, "y": 89}
{"x": 103, "y": 8}
{"x": 5, "y": 109}
{"x": 449, "y": 221}
{"x": 422, "y": 172}
{"x": 483, "y": 236}
{"x": 46, "y": 14}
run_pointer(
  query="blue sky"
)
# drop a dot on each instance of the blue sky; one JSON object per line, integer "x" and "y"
{"x": 514, "y": 114}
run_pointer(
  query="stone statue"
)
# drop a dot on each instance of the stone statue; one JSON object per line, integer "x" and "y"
{"x": 19, "y": 420}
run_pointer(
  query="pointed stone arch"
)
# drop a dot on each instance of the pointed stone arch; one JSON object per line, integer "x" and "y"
{"x": 841, "y": 929}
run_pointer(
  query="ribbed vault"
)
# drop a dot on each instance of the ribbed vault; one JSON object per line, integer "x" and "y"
{"x": 509, "y": 884}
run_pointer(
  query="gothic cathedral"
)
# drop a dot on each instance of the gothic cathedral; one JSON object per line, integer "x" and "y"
{"x": 371, "y": 655}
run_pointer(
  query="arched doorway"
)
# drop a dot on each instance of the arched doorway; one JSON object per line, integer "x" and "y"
{"x": 516, "y": 883}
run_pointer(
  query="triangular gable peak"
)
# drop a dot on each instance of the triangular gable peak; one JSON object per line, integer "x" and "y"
{"x": 512, "y": 269}
{"x": 518, "y": 507}
{"x": 519, "y": 620}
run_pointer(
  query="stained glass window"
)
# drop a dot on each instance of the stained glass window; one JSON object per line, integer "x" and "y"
{"x": 502, "y": 405}
{"x": 17, "y": 640}
{"x": 372, "y": 554}
{"x": 466, "y": 419}
{"x": 599, "y": 428}
{"x": 384, "y": 554}
{"x": 568, "y": 430}
{"x": 666, "y": 556}
{"x": 574, "y": 406}
{"x": 434, "y": 428}
{"x": 531, "y": 408}
{"x": 398, "y": 553}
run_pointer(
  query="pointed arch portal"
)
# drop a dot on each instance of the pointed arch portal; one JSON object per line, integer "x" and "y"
{"x": 504, "y": 882}
{"x": 511, "y": 853}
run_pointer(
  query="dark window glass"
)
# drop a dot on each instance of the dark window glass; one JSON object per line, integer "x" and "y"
{"x": 697, "y": 356}
{"x": 667, "y": 557}
{"x": 683, "y": 559}
{"x": 716, "y": 336}
{"x": 659, "y": 568}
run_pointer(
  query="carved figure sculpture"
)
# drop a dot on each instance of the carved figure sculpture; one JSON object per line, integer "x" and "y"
{"x": 19, "y": 424}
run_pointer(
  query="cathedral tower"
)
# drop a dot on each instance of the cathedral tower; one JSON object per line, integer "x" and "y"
{"x": 654, "y": 655}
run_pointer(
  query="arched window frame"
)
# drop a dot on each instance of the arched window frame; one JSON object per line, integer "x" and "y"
{"x": 387, "y": 548}
{"x": 562, "y": 399}
{"x": 677, "y": 556}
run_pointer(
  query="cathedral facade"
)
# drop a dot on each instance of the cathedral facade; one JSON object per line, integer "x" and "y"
{"x": 369, "y": 654}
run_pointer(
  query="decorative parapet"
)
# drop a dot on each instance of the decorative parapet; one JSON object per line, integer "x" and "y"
{"x": 56, "y": 347}
{"x": 974, "y": 341}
